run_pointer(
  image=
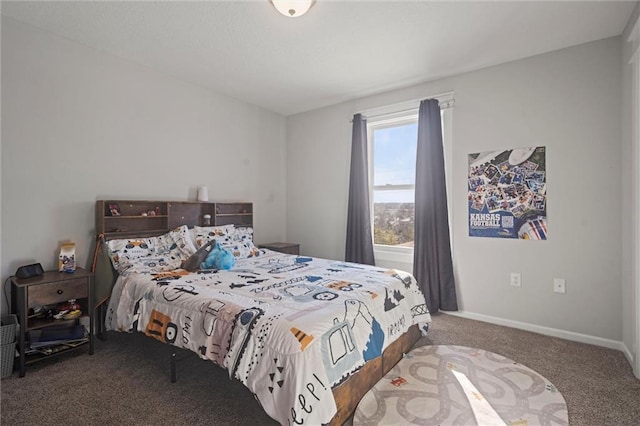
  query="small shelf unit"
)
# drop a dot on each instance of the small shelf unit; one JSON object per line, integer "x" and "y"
{"x": 150, "y": 218}
{"x": 50, "y": 289}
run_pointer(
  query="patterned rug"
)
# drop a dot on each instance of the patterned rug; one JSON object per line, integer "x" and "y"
{"x": 455, "y": 385}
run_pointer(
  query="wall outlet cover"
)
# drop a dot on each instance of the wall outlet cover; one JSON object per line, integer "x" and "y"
{"x": 516, "y": 279}
{"x": 559, "y": 286}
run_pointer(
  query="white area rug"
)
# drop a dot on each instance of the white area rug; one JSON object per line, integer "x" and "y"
{"x": 455, "y": 385}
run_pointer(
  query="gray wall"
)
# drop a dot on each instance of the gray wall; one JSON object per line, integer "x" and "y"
{"x": 80, "y": 125}
{"x": 630, "y": 200}
{"x": 568, "y": 101}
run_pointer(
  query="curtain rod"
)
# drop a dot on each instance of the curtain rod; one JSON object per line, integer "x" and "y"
{"x": 445, "y": 104}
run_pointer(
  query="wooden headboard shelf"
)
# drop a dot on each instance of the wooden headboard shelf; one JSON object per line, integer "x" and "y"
{"x": 128, "y": 218}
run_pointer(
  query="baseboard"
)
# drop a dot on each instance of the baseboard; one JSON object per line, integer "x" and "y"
{"x": 547, "y": 331}
{"x": 627, "y": 353}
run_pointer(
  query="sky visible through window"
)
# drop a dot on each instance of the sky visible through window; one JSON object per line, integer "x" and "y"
{"x": 395, "y": 161}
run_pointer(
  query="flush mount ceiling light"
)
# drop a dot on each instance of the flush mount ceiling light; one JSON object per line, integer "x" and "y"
{"x": 292, "y": 8}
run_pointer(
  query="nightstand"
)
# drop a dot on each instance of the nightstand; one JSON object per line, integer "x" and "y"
{"x": 49, "y": 290}
{"x": 287, "y": 248}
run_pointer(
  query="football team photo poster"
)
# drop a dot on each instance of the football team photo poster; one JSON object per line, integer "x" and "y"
{"x": 507, "y": 194}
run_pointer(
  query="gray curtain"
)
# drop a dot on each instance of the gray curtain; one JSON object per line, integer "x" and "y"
{"x": 359, "y": 239}
{"x": 432, "y": 263}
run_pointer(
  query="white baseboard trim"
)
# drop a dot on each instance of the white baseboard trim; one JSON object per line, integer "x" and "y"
{"x": 627, "y": 353}
{"x": 548, "y": 331}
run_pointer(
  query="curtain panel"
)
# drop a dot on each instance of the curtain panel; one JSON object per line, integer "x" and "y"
{"x": 359, "y": 247}
{"x": 432, "y": 262}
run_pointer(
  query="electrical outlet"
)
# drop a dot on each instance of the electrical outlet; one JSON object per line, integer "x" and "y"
{"x": 516, "y": 279}
{"x": 559, "y": 286}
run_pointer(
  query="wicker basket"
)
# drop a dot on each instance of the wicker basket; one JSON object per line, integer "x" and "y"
{"x": 8, "y": 329}
{"x": 7, "y": 355}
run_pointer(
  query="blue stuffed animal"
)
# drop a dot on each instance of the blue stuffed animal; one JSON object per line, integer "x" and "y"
{"x": 218, "y": 258}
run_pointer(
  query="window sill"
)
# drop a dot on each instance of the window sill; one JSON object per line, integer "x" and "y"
{"x": 393, "y": 254}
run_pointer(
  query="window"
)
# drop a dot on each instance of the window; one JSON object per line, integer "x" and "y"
{"x": 393, "y": 156}
{"x": 392, "y": 150}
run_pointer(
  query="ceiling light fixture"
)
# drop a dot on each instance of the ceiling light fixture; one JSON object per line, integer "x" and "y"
{"x": 292, "y": 8}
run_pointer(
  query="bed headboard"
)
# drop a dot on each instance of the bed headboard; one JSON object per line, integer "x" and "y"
{"x": 147, "y": 218}
{"x": 117, "y": 219}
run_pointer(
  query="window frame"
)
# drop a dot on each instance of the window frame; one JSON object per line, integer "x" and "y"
{"x": 404, "y": 114}
{"x": 384, "y": 122}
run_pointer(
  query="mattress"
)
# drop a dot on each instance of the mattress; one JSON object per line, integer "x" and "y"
{"x": 290, "y": 328}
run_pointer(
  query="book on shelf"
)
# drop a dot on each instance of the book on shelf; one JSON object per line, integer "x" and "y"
{"x": 52, "y": 349}
{"x": 55, "y": 335}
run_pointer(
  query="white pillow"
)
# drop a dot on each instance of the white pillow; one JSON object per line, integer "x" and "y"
{"x": 181, "y": 236}
{"x": 203, "y": 234}
{"x": 243, "y": 233}
{"x": 241, "y": 244}
{"x": 151, "y": 255}
{"x": 239, "y": 241}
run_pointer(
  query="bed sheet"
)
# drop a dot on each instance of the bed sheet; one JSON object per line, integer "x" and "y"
{"x": 288, "y": 327}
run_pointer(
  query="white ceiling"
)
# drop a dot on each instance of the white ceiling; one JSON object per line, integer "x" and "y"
{"x": 339, "y": 50}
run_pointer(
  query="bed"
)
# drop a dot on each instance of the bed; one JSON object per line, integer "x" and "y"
{"x": 307, "y": 336}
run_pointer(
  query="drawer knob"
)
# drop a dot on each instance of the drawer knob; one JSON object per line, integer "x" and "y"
{"x": 60, "y": 292}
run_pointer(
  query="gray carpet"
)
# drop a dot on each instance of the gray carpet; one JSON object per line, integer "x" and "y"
{"x": 127, "y": 381}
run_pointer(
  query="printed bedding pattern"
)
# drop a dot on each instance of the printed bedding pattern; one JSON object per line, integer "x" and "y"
{"x": 288, "y": 327}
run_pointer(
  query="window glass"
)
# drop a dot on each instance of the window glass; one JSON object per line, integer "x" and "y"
{"x": 394, "y": 174}
{"x": 394, "y": 154}
{"x": 393, "y": 222}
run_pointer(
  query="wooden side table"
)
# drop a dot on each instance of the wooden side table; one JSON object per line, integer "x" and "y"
{"x": 49, "y": 290}
{"x": 288, "y": 248}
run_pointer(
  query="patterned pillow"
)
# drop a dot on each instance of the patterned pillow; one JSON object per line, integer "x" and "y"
{"x": 151, "y": 255}
{"x": 238, "y": 241}
{"x": 243, "y": 234}
{"x": 202, "y": 235}
{"x": 123, "y": 252}
{"x": 241, "y": 249}
{"x": 181, "y": 236}
{"x": 241, "y": 244}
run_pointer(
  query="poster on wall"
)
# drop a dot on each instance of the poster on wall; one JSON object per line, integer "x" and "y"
{"x": 508, "y": 194}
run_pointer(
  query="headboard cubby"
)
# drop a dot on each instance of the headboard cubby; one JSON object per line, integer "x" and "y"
{"x": 147, "y": 218}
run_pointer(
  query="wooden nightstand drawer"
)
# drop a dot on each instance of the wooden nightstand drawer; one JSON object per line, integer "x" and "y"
{"x": 288, "y": 248}
{"x": 56, "y": 292}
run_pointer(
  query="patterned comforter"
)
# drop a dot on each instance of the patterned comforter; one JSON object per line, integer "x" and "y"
{"x": 288, "y": 327}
